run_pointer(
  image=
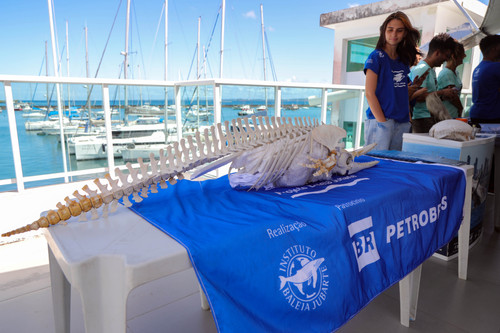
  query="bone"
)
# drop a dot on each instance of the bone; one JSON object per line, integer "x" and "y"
{"x": 236, "y": 132}
{"x": 229, "y": 136}
{"x": 222, "y": 141}
{"x": 155, "y": 173}
{"x": 211, "y": 145}
{"x": 145, "y": 177}
{"x": 115, "y": 189}
{"x": 272, "y": 150}
{"x": 200, "y": 145}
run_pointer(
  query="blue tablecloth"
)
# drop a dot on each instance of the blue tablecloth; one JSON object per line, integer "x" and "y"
{"x": 307, "y": 259}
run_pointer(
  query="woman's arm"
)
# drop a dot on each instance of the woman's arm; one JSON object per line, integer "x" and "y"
{"x": 373, "y": 102}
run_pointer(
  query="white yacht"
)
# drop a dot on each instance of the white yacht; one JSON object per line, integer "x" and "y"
{"x": 96, "y": 147}
{"x": 246, "y": 110}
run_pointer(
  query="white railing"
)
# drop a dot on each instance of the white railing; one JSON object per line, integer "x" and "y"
{"x": 330, "y": 94}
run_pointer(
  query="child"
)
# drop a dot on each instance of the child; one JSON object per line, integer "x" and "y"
{"x": 448, "y": 78}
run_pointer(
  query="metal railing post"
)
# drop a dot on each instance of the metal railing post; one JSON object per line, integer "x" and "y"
{"x": 14, "y": 139}
{"x": 324, "y": 105}
{"x": 277, "y": 101}
{"x": 178, "y": 114}
{"x": 359, "y": 121}
{"x": 109, "y": 134}
{"x": 217, "y": 104}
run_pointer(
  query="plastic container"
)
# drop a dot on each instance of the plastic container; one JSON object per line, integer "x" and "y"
{"x": 477, "y": 152}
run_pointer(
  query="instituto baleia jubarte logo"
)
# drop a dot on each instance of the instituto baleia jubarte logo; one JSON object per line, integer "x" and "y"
{"x": 304, "y": 279}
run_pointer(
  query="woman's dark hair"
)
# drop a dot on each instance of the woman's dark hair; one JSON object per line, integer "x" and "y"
{"x": 407, "y": 49}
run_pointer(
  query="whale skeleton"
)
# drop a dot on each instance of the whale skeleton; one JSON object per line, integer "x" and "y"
{"x": 266, "y": 151}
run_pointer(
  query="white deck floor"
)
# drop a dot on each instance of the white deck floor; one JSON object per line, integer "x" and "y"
{"x": 446, "y": 304}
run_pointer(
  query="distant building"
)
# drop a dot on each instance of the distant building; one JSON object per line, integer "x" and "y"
{"x": 357, "y": 31}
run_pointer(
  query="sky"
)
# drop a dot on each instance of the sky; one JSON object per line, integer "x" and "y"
{"x": 301, "y": 50}
{"x": 298, "y": 49}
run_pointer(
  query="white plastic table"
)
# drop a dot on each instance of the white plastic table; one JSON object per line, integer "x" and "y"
{"x": 105, "y": 259}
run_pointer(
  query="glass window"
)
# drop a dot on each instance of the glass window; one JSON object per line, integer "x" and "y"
{"x": 358, "y": 51}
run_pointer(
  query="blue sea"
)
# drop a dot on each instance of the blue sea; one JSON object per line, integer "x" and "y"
{"x": 41, "y": 154}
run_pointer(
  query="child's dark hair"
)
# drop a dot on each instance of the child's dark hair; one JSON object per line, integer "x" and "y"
{"x": 442, "y": 42}
{"x": 459, "y": 50}
{"x": 407, "y": 49}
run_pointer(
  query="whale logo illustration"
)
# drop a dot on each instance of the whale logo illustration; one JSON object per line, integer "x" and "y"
{"x": 398, "y": 77}
{"x": 308, "y": 273}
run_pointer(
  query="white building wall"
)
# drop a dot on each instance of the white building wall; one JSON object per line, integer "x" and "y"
{"x": 430, "y": 20}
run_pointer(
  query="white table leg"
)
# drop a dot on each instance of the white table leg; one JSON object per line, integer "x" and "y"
{"x": 464, "y": 231}
{"x": 204, "y": 302}
{"x": 61, "y": 296}
{"x": 104, "y": 295}
{"x": 408, "y": 296}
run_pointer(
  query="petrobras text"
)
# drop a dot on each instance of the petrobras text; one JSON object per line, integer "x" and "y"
{"x": 416, "y": 221}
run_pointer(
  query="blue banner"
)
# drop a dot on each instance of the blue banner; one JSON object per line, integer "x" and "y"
{"x": 309, "y": 258}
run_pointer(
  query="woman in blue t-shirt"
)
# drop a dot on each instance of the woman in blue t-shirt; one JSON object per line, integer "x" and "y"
{"x": 386, "y": 86}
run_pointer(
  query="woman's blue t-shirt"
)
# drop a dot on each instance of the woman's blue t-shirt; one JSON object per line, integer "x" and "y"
{"x": 392, "y": 86}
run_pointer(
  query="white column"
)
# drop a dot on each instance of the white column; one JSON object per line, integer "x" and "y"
{"x": 359, "y": 122}
{"x": 14, "y": 139}
{"x": 109, "y": 136}
{"x": 324, "y": 104}
{"x": 277, "y": 101}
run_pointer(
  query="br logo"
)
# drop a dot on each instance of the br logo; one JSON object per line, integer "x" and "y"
{"x": 363, "y": 242}
{"x": 303, "y": 278}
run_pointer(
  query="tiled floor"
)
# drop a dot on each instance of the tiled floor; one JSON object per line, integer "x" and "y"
{"x": 446, "y": 304}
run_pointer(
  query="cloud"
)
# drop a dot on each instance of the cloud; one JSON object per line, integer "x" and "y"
{"x": 270, "y": 28}
{"x": 250, "y": 14}
{"x": 353, "y": 5}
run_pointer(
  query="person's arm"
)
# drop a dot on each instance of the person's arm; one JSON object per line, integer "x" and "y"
{"x": 454, "y": 99}
{"x": 373, "y": 102}
{"x": 419, "y": 95}
{"x": 415, "y": 90}
{"x": 447, "y": 93}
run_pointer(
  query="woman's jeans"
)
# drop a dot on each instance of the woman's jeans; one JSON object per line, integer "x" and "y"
{"x": 387, "y": 135}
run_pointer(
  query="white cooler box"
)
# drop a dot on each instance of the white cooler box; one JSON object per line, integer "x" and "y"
{"x": 477, "y": 152}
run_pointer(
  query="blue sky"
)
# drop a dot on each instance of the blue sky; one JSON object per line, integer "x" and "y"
{"x": 301, "y": 50}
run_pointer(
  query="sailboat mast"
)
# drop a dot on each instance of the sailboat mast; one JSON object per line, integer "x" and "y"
{"x": 47, "y": 74}
{"x": 125, "y": 61}
{"x": 86, "y": 52}
{"x": 263, "y": 40}
{"x": 263, "y": 49}
{"x": 58, "y": 91}
{"x": 166, "y": 44}
{"x": 166, "y": 71}
{"x": 198, "y": 50}
{"x": 67, "y": 64}
{"x": 87, "y": 70}
{"x": 222, "y": 37}
{"x": 198, "y": 73}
